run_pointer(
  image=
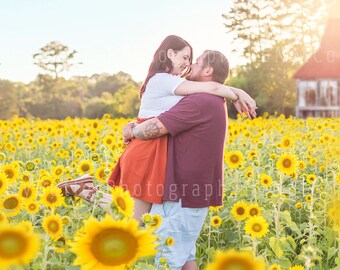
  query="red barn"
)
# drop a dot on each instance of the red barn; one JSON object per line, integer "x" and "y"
{"x": 318, "y": 80}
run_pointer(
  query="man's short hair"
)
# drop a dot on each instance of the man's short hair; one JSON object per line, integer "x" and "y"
{"x": 219, "y": 63}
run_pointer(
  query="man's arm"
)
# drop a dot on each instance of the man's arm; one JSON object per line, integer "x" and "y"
{"x": 150, "y": 129}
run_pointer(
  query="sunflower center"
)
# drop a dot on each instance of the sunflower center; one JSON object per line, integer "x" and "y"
{"x": 253, "y": 212}
{"x": 85, "y": 167}
{"x": 11, "y": 203}
{"x": 236, "y": 264}
{"x": 58, "y": 171}
{"x": 102, "y": 174}
{"x": 53, "y": 226}
{"x": 26, "y": 192}
{"x": 9, "y": 173}
{"x": 216, "y": 221}
{"x": 109, "y": 141}
{"x": 240, "y": 210}
{"x": 32, "y": 206}
{"x": 265, "y": 181}
{"x": 12, "y": 245}
{"x": 1, "y": 183}
{"x": 121, "y": 203}
{"x": 234, "y": 158}
{"x": 25, "y": 178}
{"x": 256, "y": 227}
{"x": 286, "y": 143}
{"x": 51, "y": 198}
{"x": 286, "y": 163}
{"x": 114, "y": 247}
{"x": 46, "y": 183}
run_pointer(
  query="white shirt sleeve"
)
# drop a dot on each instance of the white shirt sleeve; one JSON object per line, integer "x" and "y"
{"x": 159, "y": 95}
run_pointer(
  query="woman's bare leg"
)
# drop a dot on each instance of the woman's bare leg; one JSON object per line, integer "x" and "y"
{"x": 141, "y": 208}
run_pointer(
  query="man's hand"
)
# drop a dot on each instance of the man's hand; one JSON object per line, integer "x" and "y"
{"x": 127, "y": 132}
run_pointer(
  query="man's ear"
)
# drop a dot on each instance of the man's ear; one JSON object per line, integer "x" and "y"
{"x": 209, "y": 71}
{"x": 170, "y": 53}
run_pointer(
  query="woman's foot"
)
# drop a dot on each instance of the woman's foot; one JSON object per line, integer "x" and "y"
{"x": 81, "y": 187}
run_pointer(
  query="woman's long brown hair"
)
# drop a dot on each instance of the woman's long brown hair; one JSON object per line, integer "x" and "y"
{"x": 161, "y": 62}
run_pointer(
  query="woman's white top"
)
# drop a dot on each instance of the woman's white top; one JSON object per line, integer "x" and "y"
{"x": 159, "y": 95}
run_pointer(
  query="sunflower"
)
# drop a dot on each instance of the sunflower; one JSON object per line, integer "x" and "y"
{"x": 287, "y": 163}
{"x": 216, "y": 221}
{"x": 53, "y": 226}
{"x": 27, "y": 191}
{"x": 240, "y": 210}
{"x": 311, "y": 178}
{"x": 32, "y": 207}
{"x": 112, "y": 244}
{"x": 146, "y": 218}
{"x": 169, "y": 241}
{"x": 275, "y": 267}
{"x": 11, "y": 171}
{"x": 298, "y": 205}
{"x": 60, "y": 244}
{"x": 308, "y": 198}
{"x": 254, "y": 210}
{"x": 25, "y": 176}
{"x": 252, "y": 154}
{"x": 248, "y": 172}
{"x": 46, "y": 181}
{"x": 296, "y": 267}
{"x": 265, "y": 180}
{"x": 85, "y": 166}
{"x": 123, "y": 201}
{"x": 234, "y": 159}
{"x": 3, "y": 182}
{"x": 155, "y": 221}
{"x": 109, "y": 140}
{"x": 257, "y": 227}
{"x": 232, "y": 259}
{"x": 301, "y": 165}
{"x": 57, "y": 171}
{"x": 18, "y": 246}
{"x": 286, "y": 142}
{"x": 30, "y": 166}
{"x": 52, "y": 197}
{"x": 215, "y": 208}
{"x": 12, "y": 205}
{"x": 101, "y": 175}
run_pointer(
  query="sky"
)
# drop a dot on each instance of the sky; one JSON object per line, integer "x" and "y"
{"x": 109, "y": 35}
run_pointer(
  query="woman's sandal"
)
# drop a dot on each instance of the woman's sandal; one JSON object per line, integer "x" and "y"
{"x": 82, "y": 182}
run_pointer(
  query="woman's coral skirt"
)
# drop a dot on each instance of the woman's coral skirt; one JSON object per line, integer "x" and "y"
{"x": 141, "y": 169}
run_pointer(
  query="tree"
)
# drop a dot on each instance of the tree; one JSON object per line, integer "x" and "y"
{"x": 295, "y": 25}
{"x": 8, "y": 101}
{"x": 55, "y": 58}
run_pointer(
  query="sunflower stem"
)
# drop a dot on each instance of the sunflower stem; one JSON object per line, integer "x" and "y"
{"x": 255, "y": 247}
{"x": 45, "y": 254}
{"x": 311, "y": 232}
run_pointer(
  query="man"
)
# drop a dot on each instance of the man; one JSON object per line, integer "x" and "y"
{"x": 194, "y": 176}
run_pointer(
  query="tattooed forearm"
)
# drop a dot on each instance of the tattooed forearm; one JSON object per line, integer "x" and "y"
{"x": 149, "y": 130}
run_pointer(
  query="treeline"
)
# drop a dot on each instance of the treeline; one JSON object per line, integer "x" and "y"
{"x": 58, "y": 98}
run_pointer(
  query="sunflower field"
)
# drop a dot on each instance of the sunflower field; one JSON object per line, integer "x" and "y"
{"x": 281, "y": 198}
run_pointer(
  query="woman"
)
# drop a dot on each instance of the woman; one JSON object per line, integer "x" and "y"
{"x": 141, "y": 168}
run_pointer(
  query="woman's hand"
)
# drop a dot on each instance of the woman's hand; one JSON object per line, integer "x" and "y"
{"x": 245, "y": 104}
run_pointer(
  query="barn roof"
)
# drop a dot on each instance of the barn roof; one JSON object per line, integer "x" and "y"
{"x": 325, "y": 63}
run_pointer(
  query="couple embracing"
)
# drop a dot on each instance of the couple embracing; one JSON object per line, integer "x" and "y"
{"x": 173, "y": 162}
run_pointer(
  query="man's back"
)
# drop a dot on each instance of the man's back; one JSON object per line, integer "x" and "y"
{"x": 197, "y": 127}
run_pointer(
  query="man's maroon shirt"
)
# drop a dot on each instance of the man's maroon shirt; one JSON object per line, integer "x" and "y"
{"x": 197, "y": 127}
